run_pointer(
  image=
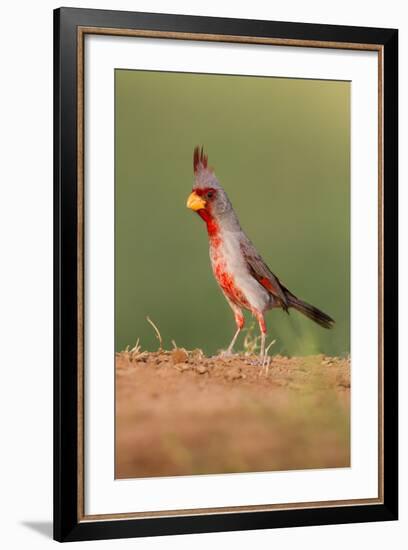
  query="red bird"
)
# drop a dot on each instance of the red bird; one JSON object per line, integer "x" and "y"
{"x": 245, "y": 279}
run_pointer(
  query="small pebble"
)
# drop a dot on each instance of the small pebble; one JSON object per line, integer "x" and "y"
{"x": 179, "y": 355}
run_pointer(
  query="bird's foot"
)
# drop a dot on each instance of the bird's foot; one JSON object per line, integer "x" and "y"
{"x": 226, "y": 353}
{"x": 257, "y": 361}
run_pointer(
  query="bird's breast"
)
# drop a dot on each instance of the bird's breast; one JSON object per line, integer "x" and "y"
{"x": 229, "y": 286}
{"x": 231, "y": 272}
{"x": 225, "y": 265}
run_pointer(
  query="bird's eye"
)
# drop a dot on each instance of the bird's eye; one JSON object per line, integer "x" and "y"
{"x": 210, "y": 194}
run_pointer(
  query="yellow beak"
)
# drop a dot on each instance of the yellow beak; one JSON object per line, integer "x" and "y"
{"x": 195, "y": 202}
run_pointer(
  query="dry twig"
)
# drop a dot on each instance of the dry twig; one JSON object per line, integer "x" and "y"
{"x": 156, "y": 330}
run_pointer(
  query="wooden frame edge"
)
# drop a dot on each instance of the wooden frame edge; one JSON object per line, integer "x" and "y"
{"x": 206, "y": 37}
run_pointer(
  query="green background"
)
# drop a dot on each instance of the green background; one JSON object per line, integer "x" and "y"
{"x": 281, "y": 149}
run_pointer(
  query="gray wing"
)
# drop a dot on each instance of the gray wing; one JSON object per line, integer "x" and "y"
{"x": 261, "y": 272}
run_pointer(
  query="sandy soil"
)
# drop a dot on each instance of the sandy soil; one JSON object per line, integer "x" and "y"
{"x": 180, "y": 413}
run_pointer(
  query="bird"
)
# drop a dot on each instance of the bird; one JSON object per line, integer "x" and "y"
{"x": 243, "y": 276}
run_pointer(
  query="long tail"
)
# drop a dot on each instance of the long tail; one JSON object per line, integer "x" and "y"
{"x": 311, "y": 312}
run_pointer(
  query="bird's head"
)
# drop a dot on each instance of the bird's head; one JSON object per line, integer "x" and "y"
{"x": 208, "y": 198}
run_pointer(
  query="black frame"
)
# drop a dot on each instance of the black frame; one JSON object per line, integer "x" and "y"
{"x": 66, "y": 524}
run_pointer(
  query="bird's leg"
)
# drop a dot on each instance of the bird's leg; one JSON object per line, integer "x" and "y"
{"x": 231, "y": 346}
{"x": 240, "y": 321}
{"x": 262, "y": 328}
{"x": 262, "y": 353}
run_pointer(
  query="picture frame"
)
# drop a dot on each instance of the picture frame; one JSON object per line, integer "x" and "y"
{"x": 71, "y": 27}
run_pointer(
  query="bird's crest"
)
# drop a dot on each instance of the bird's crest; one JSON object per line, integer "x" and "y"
{"x": 203, "y": 174}
{"x": 200, "y": 160}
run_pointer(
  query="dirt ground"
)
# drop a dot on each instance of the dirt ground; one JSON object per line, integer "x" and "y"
{"x": 180, "y": 413}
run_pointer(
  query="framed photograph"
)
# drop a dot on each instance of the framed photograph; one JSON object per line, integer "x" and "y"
{"x": 225, "y": 274}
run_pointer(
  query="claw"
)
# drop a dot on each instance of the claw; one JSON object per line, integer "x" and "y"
{"x": 226, "y": 353}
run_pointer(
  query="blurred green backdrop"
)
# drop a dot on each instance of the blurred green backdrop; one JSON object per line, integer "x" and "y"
{"x": 281, "y": 149}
